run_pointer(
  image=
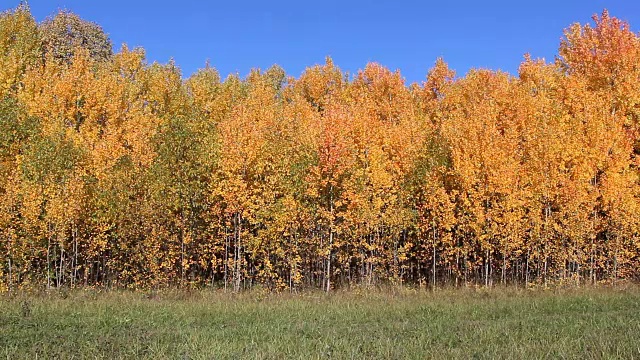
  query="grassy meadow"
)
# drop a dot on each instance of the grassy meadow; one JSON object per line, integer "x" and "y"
{"x": 588, "y": 323}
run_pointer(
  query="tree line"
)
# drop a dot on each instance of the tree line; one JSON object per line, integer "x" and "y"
{"x": 120, "y": 173}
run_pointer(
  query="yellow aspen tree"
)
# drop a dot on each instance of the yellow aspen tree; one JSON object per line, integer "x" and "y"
{"x": 603, "y": 58}
{"x": 484, "y": 147}
{"x": 385, "y": 139}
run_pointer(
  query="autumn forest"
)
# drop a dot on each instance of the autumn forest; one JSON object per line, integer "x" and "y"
{"x": 117, "y": 172}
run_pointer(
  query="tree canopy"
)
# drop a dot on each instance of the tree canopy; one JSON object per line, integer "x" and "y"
{"x": 117, "y": 172}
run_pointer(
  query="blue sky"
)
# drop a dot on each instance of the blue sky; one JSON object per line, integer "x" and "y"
{"x": 238, "y": 35}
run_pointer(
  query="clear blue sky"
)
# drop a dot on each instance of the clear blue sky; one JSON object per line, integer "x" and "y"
{"x": 238, "y": 35}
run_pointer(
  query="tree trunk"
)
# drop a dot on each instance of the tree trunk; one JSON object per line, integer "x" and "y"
{"x": 526, "y": 271}
{"x": 504, "y": 265}
{"x": 10, "y": 255}
{"x": 486, "y": 269}
{"x": 433, "y": 268}
{"x": 60, "y": 272}
{"x": 331, "y": 225}
{"x": 48, "y": 263}
{"x": 10, "y": 282}
{"x": 74, "y": 234}
{"x": 226, "y": 257}
{"x": 238, "y": 254}
{"x": 181, "y": 254}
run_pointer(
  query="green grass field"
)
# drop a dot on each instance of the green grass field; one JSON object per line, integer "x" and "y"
{"x": 373, "y": 324}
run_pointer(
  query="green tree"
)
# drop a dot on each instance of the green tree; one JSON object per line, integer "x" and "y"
{"x": 63, "y": 33}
